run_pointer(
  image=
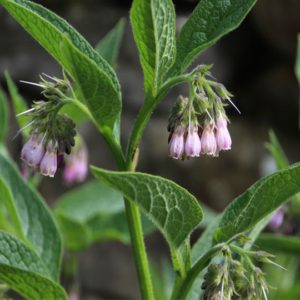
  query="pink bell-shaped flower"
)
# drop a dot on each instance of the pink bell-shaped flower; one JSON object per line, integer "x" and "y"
{"x": 33, "y": 151}
{"x": 192, "y": 145}
{"x": 176, "y": 144}
{"x": 223, "y": 138}
{"x": 49, "y": 162}
{"x": 208, "y": 140}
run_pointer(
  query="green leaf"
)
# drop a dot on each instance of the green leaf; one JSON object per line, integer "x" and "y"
{"x": 264, "y": 197}
{"x": 171, "y": 208}
{"x": 101, "y": 216}
{"x": 109, "y": 46}
{"x": 289, "y": 245}
{"x": 3, "y": 116}
{"x": 153, "y": 23}
{"x": 209, "y": 215}
{"x": 19, "y": 104}
{"x": 32, "y": 219}
{"x": 23, "y": 270}
{"x": 210, "y": 20}
{"x": 103, "y": 101}
{"x": 202, "y": 245}
{"x": 48, "y": 29}
{"x": 275, "y": 148}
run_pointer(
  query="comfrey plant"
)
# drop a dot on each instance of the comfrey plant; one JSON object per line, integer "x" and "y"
{"x": 108, "y": 208}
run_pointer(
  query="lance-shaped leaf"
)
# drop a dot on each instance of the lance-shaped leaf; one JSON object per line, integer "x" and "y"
{"x": 109, "y": 46}
{"x": 32, "y": 219}
{"x": 171, "y": 208}
{"x": 19, "y": 104}
{"x": 3, "y": 115}
{"x": 153, "y": 23}
{"x": 99, "y": 94}
{"x": 275, "y": 148}
{"x": 257, "y": 202}
{"x": 210, "y": 20}
{"x": 48, "y": 29}
{"x": 23, "y": 270}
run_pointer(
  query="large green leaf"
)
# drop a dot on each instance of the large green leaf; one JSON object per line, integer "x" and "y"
{"x": 264, "y": 197}
{"x": 172, "y": 209}
{"x": 32, "y": 219}
{"x": 3, "y": 116}
{"x": 210, "y": 20}
{"x": 24, "y": 271}
{"x": 109, "y": 46}
{"x": 103, "y": 101}
{"x": 202, "y": 245}
{"x": 285, "y": 244}
{"x": 153, "y": 23}
{"x": 48, "y": 29}
{"x": 19, "y": 104}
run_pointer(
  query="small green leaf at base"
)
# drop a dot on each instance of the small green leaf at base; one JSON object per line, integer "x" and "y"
{"x": 23, "y": 270}
{"x": 31, "y": 218}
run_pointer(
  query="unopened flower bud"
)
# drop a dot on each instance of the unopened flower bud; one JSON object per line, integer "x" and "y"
{"x": 277, "y": 219}
{"x": 192, "y": 145}
{"x": 223, "y": 138}
{"x": 208, "y": 141}
{"x": 49, "y": 162}
{"x": 176, "y": 144}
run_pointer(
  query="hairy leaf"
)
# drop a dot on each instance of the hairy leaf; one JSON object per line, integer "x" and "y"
{"x": 171, "y": 208}
{"x": 210, "y": 20}
{"x": 24, "y": 271}
{"x": 281, "y": 243}
{"x": 153, "y": 23}
{"x": 48, "y": 29}
{"x": 103, "y": 101}
{"x": 32, "y": 220}
{"x": 108, "y": 47}
{"x": 264, "y": 197}
{"x": 3, "y": 116}
{"x": 101, "y": 216}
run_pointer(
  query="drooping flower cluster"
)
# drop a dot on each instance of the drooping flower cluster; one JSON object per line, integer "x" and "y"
{"x": 52, "y": 133}
{"x": 228, "y": 280}
{"x": 76, "y": 164}
{"x": 198, "y": 124}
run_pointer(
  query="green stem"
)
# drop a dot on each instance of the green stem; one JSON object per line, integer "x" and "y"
{"x": 146, "y": 111}
{"x": 182, "y": 288}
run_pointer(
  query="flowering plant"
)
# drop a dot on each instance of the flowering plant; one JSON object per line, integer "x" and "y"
{"x": 31, "y": 236}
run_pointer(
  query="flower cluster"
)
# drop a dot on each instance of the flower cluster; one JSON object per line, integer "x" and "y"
{"x": 228, "y": 280}
{"x": 52, "y": 133}
{"x": 198, "y": 124}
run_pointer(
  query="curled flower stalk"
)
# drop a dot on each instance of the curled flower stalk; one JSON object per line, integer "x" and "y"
{"x": 201, "y": 119}
{"x": 52, "y": 134}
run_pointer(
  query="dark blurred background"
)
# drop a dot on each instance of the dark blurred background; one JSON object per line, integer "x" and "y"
{"x": 255, "y": 63}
